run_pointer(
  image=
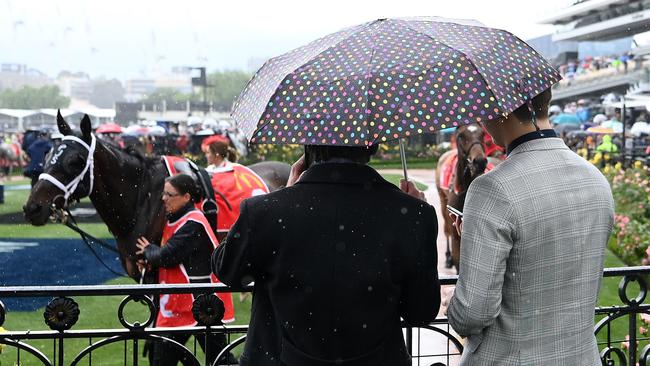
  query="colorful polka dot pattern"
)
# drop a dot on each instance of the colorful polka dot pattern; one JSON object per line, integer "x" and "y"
{"x": 389, "y": 79}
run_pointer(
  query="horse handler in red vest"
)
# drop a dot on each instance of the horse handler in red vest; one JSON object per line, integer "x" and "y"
{"x": 183, "y": 257}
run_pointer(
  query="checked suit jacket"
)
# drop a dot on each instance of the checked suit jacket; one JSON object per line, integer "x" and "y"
{"x": 534, "y": 235}
{"x": 337, "y": 260}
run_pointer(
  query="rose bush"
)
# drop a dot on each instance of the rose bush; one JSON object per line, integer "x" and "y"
{"x": 631, "y": 190}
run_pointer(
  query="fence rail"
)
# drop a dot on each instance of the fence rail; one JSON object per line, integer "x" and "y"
{"x": 433, "y": 344}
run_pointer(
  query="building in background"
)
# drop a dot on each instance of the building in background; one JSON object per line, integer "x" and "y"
{"x": 179, "y": 79}
{"x": 16, "y": 76}
{"x": 592, "y": 47}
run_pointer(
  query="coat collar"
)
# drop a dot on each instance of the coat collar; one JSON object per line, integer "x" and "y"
{"x": 342, "y": 173}
{"x": 552, "y": 143}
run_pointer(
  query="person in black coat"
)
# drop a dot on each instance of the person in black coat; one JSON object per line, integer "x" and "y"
{"x": 337, "y": 260}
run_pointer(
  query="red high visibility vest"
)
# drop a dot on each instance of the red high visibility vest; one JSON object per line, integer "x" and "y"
{"x": 176, "y": 309}
{"x": 237, "y": 183}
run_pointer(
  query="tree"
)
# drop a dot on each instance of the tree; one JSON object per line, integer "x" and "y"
{"x": 106, "y": 93}
{"x": 33, "y": 98}
{"x": 226, "y": 86}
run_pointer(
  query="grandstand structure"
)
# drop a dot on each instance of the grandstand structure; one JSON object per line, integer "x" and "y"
{"x": 602, "y": 20}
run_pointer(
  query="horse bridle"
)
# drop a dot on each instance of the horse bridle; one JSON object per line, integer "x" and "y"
{"x": 70, "y": 188}
{"x": 466, "y": 153}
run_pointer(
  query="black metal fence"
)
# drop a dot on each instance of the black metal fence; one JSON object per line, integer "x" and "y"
{"x": 434, "y": 344}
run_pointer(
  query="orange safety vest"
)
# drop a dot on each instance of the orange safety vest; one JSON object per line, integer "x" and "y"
{"x": 237, "y": 183}
{"x": 176, "y": 309}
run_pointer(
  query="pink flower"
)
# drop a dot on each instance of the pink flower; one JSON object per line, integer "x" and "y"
{"x": 643, "y": 330}
{"x": 626, "y": 344}
{"x": 645, "y": 318}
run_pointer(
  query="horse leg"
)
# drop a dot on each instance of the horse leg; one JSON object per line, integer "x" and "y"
{"x": 447, "y": 227}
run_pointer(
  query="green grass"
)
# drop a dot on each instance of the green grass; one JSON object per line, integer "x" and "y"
{"x": 97, "y": 313}
{"x": 394, "y": 178}
{"x": 410, "y": 164}
{"x": 14, "y": 201}
{"x": 608, "y": 296}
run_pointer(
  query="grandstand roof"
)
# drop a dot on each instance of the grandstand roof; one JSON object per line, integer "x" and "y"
{"x": 577, "y": 11}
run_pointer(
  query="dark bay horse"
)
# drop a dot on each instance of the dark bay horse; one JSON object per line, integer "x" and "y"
{"x": 471, "y": 162}
{"x": 124, "y": 186}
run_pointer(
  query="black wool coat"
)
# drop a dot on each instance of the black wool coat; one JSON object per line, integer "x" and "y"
{"x": 337, "y": 260}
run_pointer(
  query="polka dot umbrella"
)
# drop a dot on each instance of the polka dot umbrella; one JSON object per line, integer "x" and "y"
{"x": 388, "y": 79}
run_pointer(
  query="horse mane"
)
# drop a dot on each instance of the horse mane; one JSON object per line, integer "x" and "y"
{"x": 130, "y": 153}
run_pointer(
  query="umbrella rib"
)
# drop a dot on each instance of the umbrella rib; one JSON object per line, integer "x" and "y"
{"x": 367, "y": 75}
{"x": 466, "y": 56}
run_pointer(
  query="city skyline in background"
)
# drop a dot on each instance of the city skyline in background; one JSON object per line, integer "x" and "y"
{"x": 126, "y": 40}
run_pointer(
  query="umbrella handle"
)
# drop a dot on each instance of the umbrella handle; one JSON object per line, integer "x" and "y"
{"x": 402, "y": 154}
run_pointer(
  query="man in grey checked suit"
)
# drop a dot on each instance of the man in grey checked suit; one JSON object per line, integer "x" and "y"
{"x": 533, "y": 239}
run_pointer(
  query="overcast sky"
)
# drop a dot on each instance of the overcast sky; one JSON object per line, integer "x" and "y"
{"x": 130, "y": 38}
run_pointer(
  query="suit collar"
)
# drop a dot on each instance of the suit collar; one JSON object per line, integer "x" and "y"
{"x": 552, "y": 143}
{"x": 342, "y": 173}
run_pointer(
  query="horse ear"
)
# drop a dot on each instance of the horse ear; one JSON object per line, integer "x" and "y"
{"x": 86, "y": 129}
{"x": 64, "y": 127}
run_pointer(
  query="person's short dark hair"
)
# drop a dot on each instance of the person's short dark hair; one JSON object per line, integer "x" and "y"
{"x": 321, "y": 153}
{"x": 184, "y": 183}
{"x": 540, "y": 105}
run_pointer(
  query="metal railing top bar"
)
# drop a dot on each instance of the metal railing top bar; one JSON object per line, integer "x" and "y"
{"x": 108, "y": 290}
{"x": 625, "y": 271}
{"x": 101, "y": 333}
{"x": 138, "y": 290}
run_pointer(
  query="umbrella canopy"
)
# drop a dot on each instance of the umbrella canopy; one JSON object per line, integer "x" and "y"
{"x": 137, "y": 130}
{"x": 390, "y": 78}
{"x": 109, "y": 128}
{"x": 566, "y": 119}
{"x": 601, "y": 130}
{"x": 565, "y": 128}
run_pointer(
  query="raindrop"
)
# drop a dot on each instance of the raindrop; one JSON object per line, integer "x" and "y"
{"x": 369, "y": 288}
{"x": 341, "y": 227}
{"x": 404, "y": 210}
{"x": 364, "y": 326}
{"x": 279, "y": 220}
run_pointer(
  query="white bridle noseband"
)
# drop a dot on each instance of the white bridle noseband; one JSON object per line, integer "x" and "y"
{"x": 69, "y": 189}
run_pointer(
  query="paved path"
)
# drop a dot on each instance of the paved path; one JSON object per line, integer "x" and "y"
{"x": 432, "y": 343}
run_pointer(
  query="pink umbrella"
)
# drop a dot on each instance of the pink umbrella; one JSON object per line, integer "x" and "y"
{"x": 109, "y": 128}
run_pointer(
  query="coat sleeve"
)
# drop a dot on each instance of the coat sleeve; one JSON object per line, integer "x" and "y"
{"x": 486, "y": 241}
{"x": 231, "y": 260}
{"x": 421, "y": 293}
{"x": 178, "y": 248}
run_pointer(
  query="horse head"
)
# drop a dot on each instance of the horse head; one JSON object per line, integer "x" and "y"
{"x": 67, "y": 173}
{"x": 471, "y": 151}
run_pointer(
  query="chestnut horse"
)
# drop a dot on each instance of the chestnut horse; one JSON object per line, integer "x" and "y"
{"x": 124, "y": 186}
{"x": 471, "y": 162}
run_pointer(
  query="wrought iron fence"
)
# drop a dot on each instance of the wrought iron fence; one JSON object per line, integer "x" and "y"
{"x": 435, "y": 344}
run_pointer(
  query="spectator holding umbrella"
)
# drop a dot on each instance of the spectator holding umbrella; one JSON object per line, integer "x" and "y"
{"x": 526, "y": 291}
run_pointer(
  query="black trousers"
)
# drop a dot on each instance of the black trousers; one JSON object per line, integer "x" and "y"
{"x": 166, "y": 354}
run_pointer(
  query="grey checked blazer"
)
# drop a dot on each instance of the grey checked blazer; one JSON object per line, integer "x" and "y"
{"x": 534, "y": 234}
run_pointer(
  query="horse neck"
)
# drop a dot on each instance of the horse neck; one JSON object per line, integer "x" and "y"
{"x": 122, "y": 189}
{"x": 463, "y": 173}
